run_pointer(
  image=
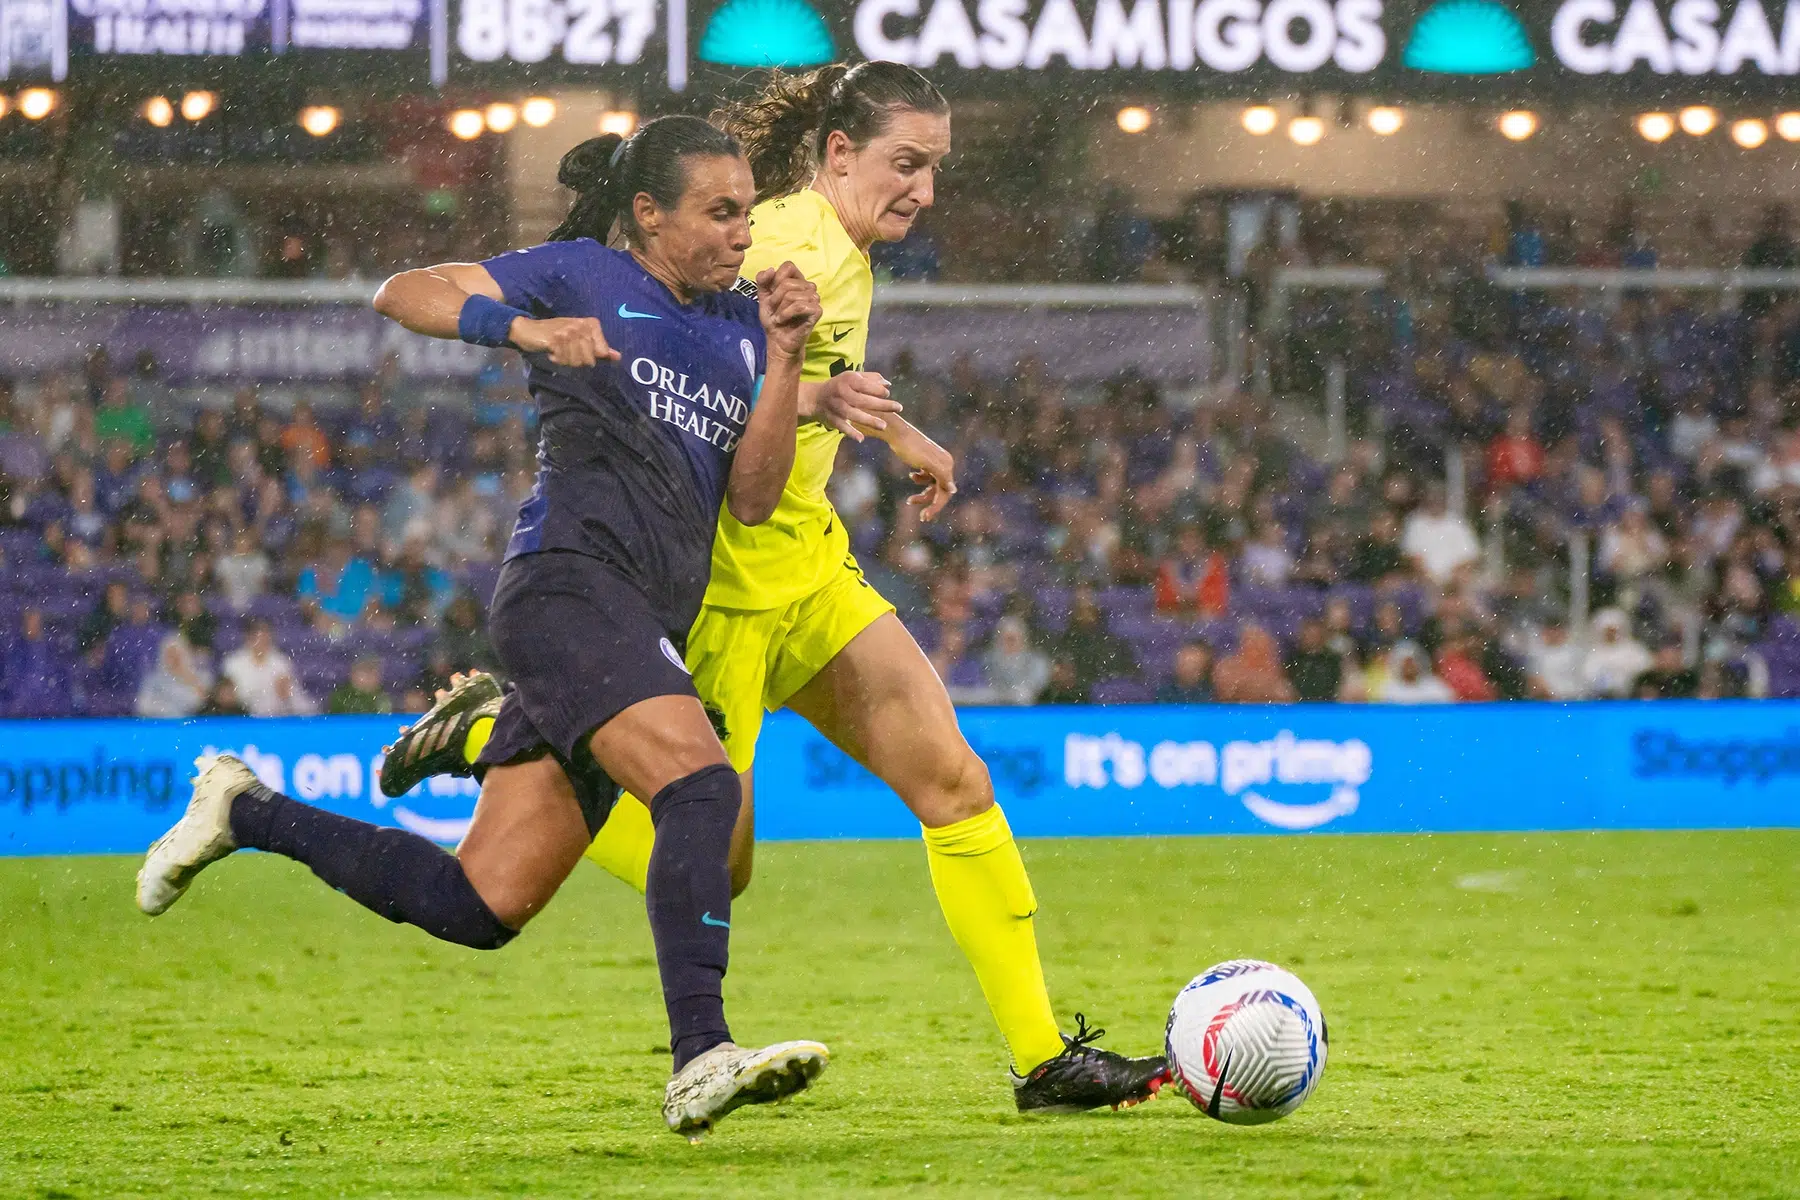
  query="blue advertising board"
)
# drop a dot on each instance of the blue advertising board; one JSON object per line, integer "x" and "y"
{"x": 80, "y": 787}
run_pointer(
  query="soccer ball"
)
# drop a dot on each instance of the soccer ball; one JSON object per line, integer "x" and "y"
{"x": 1246, "y": 1042}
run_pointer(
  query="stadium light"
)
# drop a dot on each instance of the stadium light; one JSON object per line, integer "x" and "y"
{"x": 1134, "y": 118}
{"x": 1697, "y": 120}
{"x": 1787, "y": 124}
{"x": 158, "y": 111}
{"x": 538, "y": 111}
{"x": 5, "y": 105}
{"x": 36, "y": 103}
{"x": 1750, "y": 133}
{"x": 1655, "y": 126}
{"x": 1517, "y": 125}
{"x": 501, "y": 117}
{"x": 466, "y": 123}
{"x": 197, "y": 106}
{"x": 620, "y": 121}
{"x": 319, "y": 119}
{"x": 1385, "y": 121}
{"x": 1306, "y": 131}
{"x": 1260, "y": 119}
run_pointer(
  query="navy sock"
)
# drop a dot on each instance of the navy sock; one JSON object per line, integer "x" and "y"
{"x": 397, "y": 874}
{"x": 689, "y": 899}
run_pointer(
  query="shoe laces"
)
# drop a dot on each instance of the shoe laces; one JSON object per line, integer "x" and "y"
{"x": 1083, "y": 1041}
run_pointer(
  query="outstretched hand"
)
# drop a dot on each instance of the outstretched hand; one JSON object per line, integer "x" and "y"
{"x": 851, "y": 403}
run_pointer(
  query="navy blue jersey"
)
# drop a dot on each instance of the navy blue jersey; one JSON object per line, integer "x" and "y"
{"x": 634, "y": 455}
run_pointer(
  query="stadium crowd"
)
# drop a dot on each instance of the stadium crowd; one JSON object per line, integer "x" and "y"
{"x": 169, "y": 558}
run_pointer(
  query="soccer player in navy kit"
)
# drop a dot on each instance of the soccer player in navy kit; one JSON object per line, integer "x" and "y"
{"x": 664, "y": 396}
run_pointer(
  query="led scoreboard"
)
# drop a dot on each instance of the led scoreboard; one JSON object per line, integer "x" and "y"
{"x": 581, "y": 32}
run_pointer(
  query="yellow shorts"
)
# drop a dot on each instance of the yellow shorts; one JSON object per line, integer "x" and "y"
{"x": 746, "y": 661}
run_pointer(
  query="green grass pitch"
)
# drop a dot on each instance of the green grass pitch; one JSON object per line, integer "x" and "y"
{"x": 1570, "y": 1015}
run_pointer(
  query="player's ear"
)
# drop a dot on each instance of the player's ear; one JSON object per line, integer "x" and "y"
{"x": 646, "y": 214}
{"x": 839, "y": 149}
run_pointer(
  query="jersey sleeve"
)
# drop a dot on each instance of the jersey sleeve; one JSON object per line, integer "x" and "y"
{"x": 554, "y": 279}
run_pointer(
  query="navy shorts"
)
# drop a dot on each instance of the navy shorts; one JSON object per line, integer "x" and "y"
{"x": 580, "y": 644}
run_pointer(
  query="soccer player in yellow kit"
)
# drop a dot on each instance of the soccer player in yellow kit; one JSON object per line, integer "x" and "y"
{"x": 845, "y": 157}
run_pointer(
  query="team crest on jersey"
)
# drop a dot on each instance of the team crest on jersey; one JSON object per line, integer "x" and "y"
{"x": 749, "y": 353}
{"x": 668, "y": 649}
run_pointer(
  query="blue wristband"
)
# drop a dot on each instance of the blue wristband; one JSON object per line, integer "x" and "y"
{"x": 484, "y": 321}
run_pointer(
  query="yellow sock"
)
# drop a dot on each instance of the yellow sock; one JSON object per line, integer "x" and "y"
{"x": 479, "y": 733}
{"x": 623, "y": 844}
{"x": 988, "y": 902}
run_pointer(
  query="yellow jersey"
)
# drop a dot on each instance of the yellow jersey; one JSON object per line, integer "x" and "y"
{"x": 797, "y": 550}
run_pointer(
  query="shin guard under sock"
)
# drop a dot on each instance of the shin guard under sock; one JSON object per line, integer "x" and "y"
{"x": 397, "y": 874}
{"x": 689, "y": 901}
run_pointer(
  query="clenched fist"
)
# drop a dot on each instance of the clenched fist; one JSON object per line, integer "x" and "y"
{"x": 570, "y": 341}
{"x": 788, "y": 306}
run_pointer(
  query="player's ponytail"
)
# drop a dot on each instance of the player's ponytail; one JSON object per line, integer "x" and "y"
{"x": 608, "y": 172}
{"x": 784, "y": 127}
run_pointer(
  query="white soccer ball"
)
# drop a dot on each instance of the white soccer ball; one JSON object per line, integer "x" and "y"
{"x": 1246, "y": 1041}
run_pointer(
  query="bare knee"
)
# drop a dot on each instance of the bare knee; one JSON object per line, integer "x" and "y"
{"x": 959, "y": 789}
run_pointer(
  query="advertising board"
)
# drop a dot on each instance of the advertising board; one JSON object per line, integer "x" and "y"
{"x": 80, "y": 787}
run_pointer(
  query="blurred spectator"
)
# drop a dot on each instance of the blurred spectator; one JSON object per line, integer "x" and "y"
{"x": 409, "y": 511}
{"x": 341, "y": 585}
{"x": 113, "y": 611}
{"x": 264, "y": 677}
{"x": 1016, "y": 671}
{"x": 1267, "y": 560}
{"x": 1194, "y": 578}
{"x": 303, "y": 437}
{"x": 362, "y": 692}
{"x": 243, "y": 574}
{"x": 462, "y": 636}
{"x": 1555, "y": 664}
{"x": 1615, "y": 660}
{"x": 1314, "y": 668}
{"x": 1515, "y": 457}
{"x": 1378, "y": 557}
{"x": 121, "y": 417}
{"x": 1437, "y": 540}
{"x": 1252, "y": 675}
{"x": 1668, "y": 677}
{"x": 223, "y": 701}
{"x": 1191, "y": 680}
{"x": 1064, "y": 687}
{"x": 1459, "y": 665}
{"x": 1093, "y": 651}
{"x": 1409, "y": 679}
{"x": 182, "y": 679}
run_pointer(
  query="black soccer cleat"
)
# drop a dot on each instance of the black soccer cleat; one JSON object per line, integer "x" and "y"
{"x": 1084, "y": 1076}
{"x": 433, "y": 745}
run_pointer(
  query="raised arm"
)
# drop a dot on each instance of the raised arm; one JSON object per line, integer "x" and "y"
{"x": 789, "y": 307}
{"x": 858, "y": 403}
{"x": 463, "y": 301}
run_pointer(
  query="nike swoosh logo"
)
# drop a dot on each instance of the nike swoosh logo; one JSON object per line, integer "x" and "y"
{"x": 840, "y": 335}
{"x": 628, "y": 314}
{"x": 706, "y": 918}
{"x": 1212, "y": 1110}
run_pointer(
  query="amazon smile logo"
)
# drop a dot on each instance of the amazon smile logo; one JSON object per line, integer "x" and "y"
{"x": 1279, "y": 781}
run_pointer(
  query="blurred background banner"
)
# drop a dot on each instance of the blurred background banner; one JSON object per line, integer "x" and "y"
{"x": 78, "y": 787}
{"x": 1080, "y": 334}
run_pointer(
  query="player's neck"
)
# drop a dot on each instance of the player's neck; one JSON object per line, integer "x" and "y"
{"x": 665, "y": 275}
{"x": 864, "y": 237}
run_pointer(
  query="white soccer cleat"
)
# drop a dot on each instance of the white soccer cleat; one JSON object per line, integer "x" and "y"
{"x": 728, "y": 1077}
{"x": 200, "y": 838}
